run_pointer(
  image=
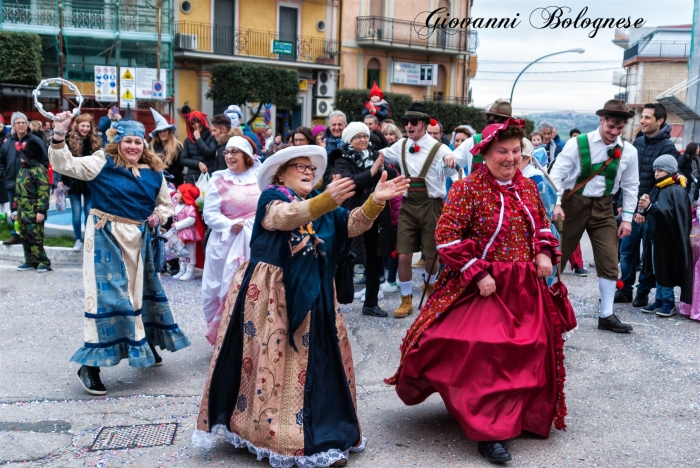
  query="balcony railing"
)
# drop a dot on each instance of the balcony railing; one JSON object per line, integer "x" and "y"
{"x": 222, "y": 40}
{"x": 657, "y": 49}
{"x": 380, "y": 30}
{"x": 462, "y": 101}
{"x": 137, "y": 18}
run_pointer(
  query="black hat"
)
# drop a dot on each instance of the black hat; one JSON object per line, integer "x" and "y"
{"x": 418, "y": 111}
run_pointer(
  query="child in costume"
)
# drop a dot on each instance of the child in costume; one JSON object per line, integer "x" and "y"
{"x": 376, "y": 106}
{"x": 667, "y": 251}
{"x": 190, "y": 229}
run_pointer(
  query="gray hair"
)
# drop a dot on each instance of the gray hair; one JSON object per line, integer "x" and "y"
{"x": 18, "y": 115}
{"x": 373, "y": 117}
{"x": 336, "y": 113}
{"x": 544, "y": 126}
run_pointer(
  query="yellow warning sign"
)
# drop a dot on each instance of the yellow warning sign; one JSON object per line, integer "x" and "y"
{"x": 112, "y": 92}
{"x": 99, "y": 91}
{"x": 127, "y": 75}
{"x": 127, "y": 95}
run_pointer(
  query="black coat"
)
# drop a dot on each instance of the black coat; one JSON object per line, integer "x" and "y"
{"x": 648, "y": 149}
{"x": 202, "y": 150}
{"x": 378, "y": 139}
{"x": 10, "y": 157}
{"x": 175, "y": 168}
{"x": 365, "y": 183}
{"x": 77, "y": 186}
{"x": 669, "y": 220}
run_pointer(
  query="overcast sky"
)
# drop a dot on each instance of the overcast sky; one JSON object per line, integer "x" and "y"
{"x": 512, "y": 49}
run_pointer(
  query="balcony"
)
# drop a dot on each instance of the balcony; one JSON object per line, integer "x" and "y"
{"x": 620, "y": 79}
{"x": 195, "y": 39}
{"x": 462, "y": 101}
{"x": 663, "y": 51}
{"x": 41, "y": 17}
{"x": 388, "y": 33}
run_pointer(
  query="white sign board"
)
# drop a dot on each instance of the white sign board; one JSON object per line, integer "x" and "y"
{"x": 127, "y": 87}
{"x": 144, "y": 82}
{"x": 414, "y": 74}
{"x": 105, "y": 84}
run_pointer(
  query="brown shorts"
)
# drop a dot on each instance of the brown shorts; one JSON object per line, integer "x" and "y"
{"x": 417, "y": 222}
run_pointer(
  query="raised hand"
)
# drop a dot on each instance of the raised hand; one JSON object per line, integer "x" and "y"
{"x": 340, "y": 189}
{"x": 389, "y": 189}
{"x": 62, "y": 122}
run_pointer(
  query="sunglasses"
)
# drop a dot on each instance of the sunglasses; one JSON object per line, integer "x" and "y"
{"x": 413, "y": 122}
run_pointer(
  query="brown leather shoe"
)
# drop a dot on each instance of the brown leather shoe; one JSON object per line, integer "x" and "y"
{"x": 406, "y": 307}
{"x": 429, "y": 289}
{"x": 419, "y": 264}
{"x": 13, "y": 241}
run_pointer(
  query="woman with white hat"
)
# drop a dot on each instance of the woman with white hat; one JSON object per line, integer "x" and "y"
{"x": 281, "y": 382}
{"x": 165, "y": 144}
{"x": 229, "y": 210}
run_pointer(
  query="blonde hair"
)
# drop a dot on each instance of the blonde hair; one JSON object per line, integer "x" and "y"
{"x": 394, "y": 130}
{"x": 171, "y": 148}
{"x": 35, "y": 125}
{"x": 148, "y": 157}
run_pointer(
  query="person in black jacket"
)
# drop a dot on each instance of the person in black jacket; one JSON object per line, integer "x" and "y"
{"x": 667, "y": 252}
{"x": 358, "y": 160}
{"x": 20, "y": 140}
{"x": 83, "y": 140}
{"x": 655, "y": 141}
{"x": 222, "y": 131}
{"x": 199, "y": 149}
{"x": 376, "y": 137}
{"x": 689, "y": 166}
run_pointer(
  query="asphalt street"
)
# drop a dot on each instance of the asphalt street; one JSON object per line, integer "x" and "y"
{"x": 633, "y": 400}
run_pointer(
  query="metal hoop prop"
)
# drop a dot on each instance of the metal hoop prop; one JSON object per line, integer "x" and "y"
{"x": 60, "y": 82}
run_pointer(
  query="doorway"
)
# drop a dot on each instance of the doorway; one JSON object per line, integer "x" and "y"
{"x": 224, "y": 24}
{"x": 288, "y": 29}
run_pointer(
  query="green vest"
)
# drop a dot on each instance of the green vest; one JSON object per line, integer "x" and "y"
{"x": 584, "y": 151}
{"x": 477, "y": 158}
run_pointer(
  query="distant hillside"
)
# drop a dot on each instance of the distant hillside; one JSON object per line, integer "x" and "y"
{"x": 564, "y": 121}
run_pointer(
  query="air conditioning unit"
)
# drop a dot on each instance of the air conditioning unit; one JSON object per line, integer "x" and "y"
{"x": 375, "y": 34}
{"x": 325, "y": 84}
{"x": 322, "y": 107}
{"x": 186, "y": 41}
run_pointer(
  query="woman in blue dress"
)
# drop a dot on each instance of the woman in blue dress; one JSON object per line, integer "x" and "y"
{"x": 282, "y": 381}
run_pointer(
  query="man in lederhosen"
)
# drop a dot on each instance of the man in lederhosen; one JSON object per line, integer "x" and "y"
{"x": 427, "y": 163}
{"x": 590, "y": 170}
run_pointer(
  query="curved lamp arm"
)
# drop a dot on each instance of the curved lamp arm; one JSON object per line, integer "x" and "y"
{"x": 579, "y": 51}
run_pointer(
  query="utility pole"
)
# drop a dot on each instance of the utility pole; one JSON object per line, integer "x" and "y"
{"x": 117, "y": 57}
{"x": 61, "y": 57}
{"x": 159, "y": 28}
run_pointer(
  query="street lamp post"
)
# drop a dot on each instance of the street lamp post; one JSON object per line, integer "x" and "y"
{"x": 580, "y": 51}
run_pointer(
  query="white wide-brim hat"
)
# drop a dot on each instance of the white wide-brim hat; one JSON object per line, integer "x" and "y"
{"x": 316, "y": 154}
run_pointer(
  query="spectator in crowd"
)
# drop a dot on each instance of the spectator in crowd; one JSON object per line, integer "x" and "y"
{"x": 574, "y": 133}
{"x": 461, "y": 135}
{"x": 557, "y": 138}
{"x": 334, "y": 132}
{"x": 199, "y": 150}
{"x": 376, "y": 137}
{"x": 10, "y": 159}
{"x": 106, "y": 121}
{"x": 546, "y": 129}
{"x": 269, "y": 138}
{"x": 48, "y": 130}
{"x": 391, "y": 133}
{"x": 36, "y": 129}
{"x": 689, "y": 166}
{"x": 276, "y": 145}
{"x": 499, "y": 112}
{"x": 360, "y": 162}
{"x": 222, "y": 131}
{"x": 539, "y": 152}
{"x": 83, "y": 140}
{"x": 319, "y": 134}
{"x": 436, "y": 132}
{"x": 655, "y": 141}
{"x": 667, "y": 252}
{"x": 165, "y": 144}
{"x": 302, "y": 136}
{"x": 3, "y": 131}
{"x": 386, "y": 122}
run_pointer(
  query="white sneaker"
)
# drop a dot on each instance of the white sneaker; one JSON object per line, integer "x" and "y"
{"x": 181, "y": 271}
{"x": 388, "y": 287}
{"x": 360, "y": 293}
{"x": 189, "y": 274}
{"x": 78, "y": 246}
{"x": 380, "y": 295}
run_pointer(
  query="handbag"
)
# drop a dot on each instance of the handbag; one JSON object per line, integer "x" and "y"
{"x": 174, "y": 248}
{"x": 158, "y": 243}
{"x": 344, "y": 285}
{"x": 201, "y": 184}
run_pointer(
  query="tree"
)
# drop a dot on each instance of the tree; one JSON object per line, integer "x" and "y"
{"x": 20, "y": 58}
{"x": 241, "y": 82}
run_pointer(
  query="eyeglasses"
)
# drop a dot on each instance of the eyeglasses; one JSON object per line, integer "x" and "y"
{"x": 361, "y": 137}
{"x": 301, "y": 167}
{"x": 231, "y": 152}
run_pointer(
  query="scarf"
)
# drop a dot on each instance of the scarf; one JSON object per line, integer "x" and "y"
{"x": 361, "y": 158}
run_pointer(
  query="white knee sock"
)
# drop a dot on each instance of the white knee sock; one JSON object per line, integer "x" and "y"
{"x": 406, "y": 288}
{"x": 432, "y": 279}
{"x": 607, "y": 296}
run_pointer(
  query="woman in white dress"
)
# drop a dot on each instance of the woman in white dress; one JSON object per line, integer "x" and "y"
{"x": 230, "y": 203}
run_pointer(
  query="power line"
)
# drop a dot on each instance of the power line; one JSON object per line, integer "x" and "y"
{"x": 547, "y": 81}
{"x": 556, "y": 71}
{"x": 547, "y": 63}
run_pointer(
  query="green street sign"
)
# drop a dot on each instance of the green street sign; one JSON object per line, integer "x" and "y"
{"x": 282, "y": 47}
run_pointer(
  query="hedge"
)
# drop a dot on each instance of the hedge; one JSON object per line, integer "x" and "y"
{"x": 352, "y": 103}
{"x": 20, "y": 58}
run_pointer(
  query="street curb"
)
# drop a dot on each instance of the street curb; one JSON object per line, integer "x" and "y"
{"x": 57, "y": 255}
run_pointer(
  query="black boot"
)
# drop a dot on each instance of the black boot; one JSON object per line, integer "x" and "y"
{"x": 90, "y": 380}
{"x": 641, "y": 300}
{"x": 494, "y": 452}
{"x": 159, "y": 360}
{"x": 622, "y": 298}
{"x": 613, "y": 324}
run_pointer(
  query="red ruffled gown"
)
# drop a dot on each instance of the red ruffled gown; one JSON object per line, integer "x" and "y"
{"x": 496, "y": 361}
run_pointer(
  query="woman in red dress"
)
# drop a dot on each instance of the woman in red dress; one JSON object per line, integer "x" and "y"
{"x": 489, "y": 337}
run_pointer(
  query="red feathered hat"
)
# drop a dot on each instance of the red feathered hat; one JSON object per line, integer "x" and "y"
{"x": 189, "y": 193}
{"x": 375, "y": 91}
{"x": 491, "y": 132}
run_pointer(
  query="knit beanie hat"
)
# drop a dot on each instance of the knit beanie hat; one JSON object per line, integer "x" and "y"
{"x": 18, "y": 115}
{"x": 667, "y": 163}
{"x": 354, "y": 128}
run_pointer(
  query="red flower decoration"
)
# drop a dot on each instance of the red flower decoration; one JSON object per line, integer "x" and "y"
{"x": 302, "y": 378}
{"x": 248, "y": 365}
{"x": 619, "y": 284}
{"x": 253, "y": 292}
